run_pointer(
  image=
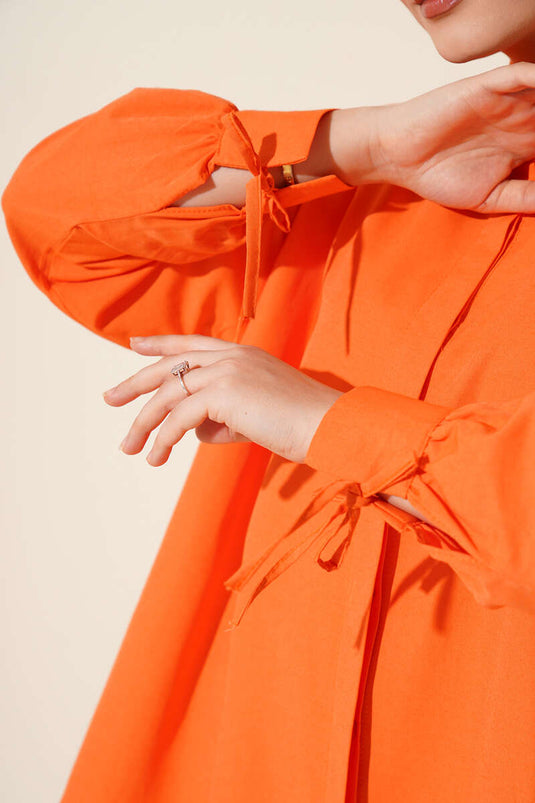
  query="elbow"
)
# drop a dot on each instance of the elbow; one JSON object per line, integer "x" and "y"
{"x": 30, "y": 225}
{"x": 9, "y": 205}
{"x": 13, "y": 209}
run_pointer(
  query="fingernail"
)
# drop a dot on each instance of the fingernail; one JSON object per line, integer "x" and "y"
{"x": 120, "y": 447}
{"x": 109, "y": 392}
{"x": 135, "y": 341}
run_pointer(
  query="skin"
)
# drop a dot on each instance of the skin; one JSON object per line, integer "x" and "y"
{"x": 477, "y": 28}
{"x": 456, "y": 145}
{"x": 237, "y": 393}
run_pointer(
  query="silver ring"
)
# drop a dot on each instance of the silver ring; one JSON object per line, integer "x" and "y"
{"x": 179, "y": 370}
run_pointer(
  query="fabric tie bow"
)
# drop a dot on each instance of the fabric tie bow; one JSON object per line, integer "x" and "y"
{"x": 260, "y": 199}
{"x": 335, "y": 535}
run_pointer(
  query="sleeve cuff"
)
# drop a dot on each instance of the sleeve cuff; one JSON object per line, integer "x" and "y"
{"x": 277, "y": 137}
{"x": 375, "y": 438}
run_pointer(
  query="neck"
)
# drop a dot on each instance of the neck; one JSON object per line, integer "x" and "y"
{"x": 521, "y": 51}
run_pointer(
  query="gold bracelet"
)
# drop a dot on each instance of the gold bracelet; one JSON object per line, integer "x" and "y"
{"x": 288, "y": 175}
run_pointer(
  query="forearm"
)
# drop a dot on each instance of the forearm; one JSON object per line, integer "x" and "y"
{"x": 403, "y": 504}
{"x": 342, "y": 146}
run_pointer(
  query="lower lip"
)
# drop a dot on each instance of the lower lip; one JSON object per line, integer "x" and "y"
{"x": 435, "y": 8}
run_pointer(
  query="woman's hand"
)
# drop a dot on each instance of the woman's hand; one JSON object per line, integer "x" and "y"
{"x": 455, "y": 145}
{"x": 238, "y": 393}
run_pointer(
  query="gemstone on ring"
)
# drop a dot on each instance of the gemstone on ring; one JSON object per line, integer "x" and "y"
{"x": 181, "y": 368}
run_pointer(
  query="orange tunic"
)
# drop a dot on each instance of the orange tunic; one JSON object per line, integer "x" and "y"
{"x": 298, "y": 639}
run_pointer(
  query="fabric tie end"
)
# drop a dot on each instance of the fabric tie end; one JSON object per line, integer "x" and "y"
{"x": 350, "y": 501}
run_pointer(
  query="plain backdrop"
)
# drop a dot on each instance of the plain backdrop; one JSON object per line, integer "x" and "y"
{"x": 81, "y": 522}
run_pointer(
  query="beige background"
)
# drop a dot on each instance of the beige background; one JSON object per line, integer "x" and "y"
{"x": 81, "y": 523}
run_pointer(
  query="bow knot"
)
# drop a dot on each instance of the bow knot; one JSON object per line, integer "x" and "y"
{"x": 260, "y": 200}
{"x": 335, "y": 534}
{"x": 351, "y": 502}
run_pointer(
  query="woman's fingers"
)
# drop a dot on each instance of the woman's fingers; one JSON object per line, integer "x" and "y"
{"x": 241, "y": 393}
{"x": 512, "y": 77}
{"x": 189, "y": 414}
{"x": 175, "y": 344}
{"x": 526, "y": 94}
{"x": 169, "y": 395}
{"x": 149, "y": 417}
{"x": 212, "y": 432}
{"x": 151, "y": 376}
{"x": 143, "y": 381}
{"x": 510, "y": 194}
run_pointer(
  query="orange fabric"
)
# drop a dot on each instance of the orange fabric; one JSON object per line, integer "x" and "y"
{"x": 300, "y": 639}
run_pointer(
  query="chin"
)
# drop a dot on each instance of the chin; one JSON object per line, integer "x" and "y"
{"x": 459, "y": 51}
{"x": 463, "y": 55}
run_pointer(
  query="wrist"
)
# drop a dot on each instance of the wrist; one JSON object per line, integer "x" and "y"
{"x": 348, "y": 145}
{"x": 278, "y": 177}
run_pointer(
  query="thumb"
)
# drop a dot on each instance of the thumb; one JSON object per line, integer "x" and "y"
{"x": 212, "y": 432}
{"x": 510, "y": 196}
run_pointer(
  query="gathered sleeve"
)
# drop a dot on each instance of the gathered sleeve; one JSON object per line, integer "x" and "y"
{"x": 469, "y": 471}
{"x": 89, "y": 210}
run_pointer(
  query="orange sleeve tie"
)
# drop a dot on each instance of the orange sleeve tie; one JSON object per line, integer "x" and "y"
{"x": 260, "y": 199}
{"x": 335, "y": 534}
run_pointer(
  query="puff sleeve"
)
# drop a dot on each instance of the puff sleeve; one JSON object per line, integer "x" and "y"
{"x": 90, "y": 216}
{"x": 470, "y": 471}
